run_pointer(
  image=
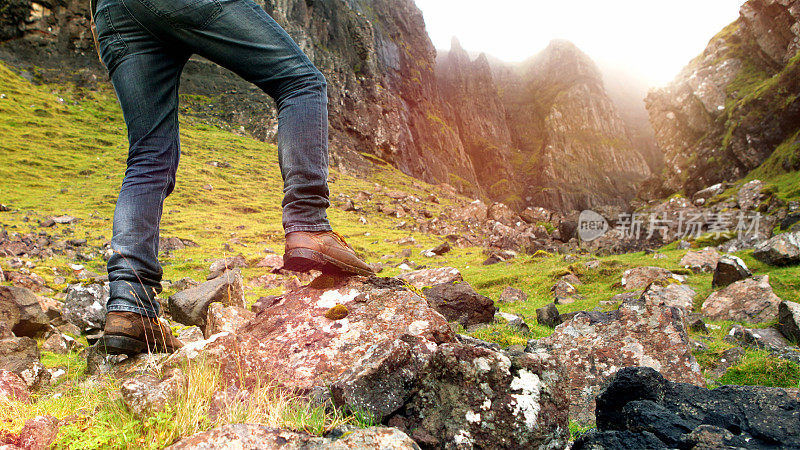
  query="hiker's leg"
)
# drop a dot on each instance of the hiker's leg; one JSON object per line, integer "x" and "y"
{"x": 240, "y": 36}
{"x": 145, "y": 74}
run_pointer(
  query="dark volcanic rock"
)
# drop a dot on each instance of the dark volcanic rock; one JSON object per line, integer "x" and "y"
{"x": 548, "y": 315}
{"x": 730, "y": 269}
{"x": 789, "y": 320}
{"x": 640, "y": 404}
{"x": 458, "y": 302}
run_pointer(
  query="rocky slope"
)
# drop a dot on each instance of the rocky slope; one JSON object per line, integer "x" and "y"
{"x": 729, "y": 109}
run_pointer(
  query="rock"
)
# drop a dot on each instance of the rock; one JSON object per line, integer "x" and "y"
{"x": 790, "y": 219}
{"x": 499, "y": 212}
{"x": 535, "y": 215}
{"x": 440, "y": 249}
{"x": 548, "y": 315}
{"x": 641, "y": 277}
{"x": 219, "y": 266}
{"x": 39, "y": 432}
{"x": 522, "y": 401}
{"x": 749, "y": 194}
{"x": 21, "y": 312}
{"x": 708, "y": 193}
{"x": 251, "y": 436}
{"x": 563, "y": 290}
{"x": 567, "y": 229}
{"x": 702, "y": 261}
{"x": 21, "y": 356}
{"x": 676, "y": 295}
{"x": 430, "y": 277}
{"x": 571, "y": 279}
{"x": 512, "y": 295}
{"x": 271, "y": 262}
{"x": 145, "y": 394}
{"x": 781, "y": 250}
{"x": 789, "y": 320}
{"x": 759, "y": 338}
{"x": 514, "y": 321}
{"x": 225, "y": 318}
{"x": 183, "y": 284}
{"x": 475, "y": 342}
{"x": 458, "y": 302}
{"x": 59, "y": 343}
{"x": 608, "y": 440}
{"x": 730, "y": 269}
{"x": 190, "y": 307}
{"x": 640, "y": 404}
{"x": 85, "y": 306}
{"x": 190, "y": 335}
{"x": 751, "y": 300}
{"x": 12, "y": 387}
{"x": 293, "y": 343}
{"x": 698, "y": 326}
{"x": 593, "y": 346}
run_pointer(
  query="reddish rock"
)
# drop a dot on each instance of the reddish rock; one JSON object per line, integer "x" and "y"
{"x": 38, "y": 433}
{"x": 751, "y": 300}
{"x": 702, "y": 261}
{"x": 251, "y": 436}
{"x": 21, "y": 355}
{"x": 146, "y": 394}
{"x": 641, "y": 277}
{"x": 750, "y": 194}
{"x": 499, "y": 212}
{"x": 593, "y": 346}
{"x": 511, "y": 294}
{"x": 225, "y": 318}
{"x": 12, "y": 387}
{"x": 293, "y": 342}
{"x": 671, "y": 294}
{"x": 271, "y": 262}
{"x": 430, "y": 277}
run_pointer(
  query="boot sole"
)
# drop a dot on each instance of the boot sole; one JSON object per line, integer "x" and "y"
{"x": 305, "y": 259}
{"x": 124, "y": 345}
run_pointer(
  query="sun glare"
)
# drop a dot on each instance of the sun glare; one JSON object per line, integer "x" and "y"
{"x": 651, "y": 40}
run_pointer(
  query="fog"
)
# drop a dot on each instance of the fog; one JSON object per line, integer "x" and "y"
{"x": 650, "y": 40}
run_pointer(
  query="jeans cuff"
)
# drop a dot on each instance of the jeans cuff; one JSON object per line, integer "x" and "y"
{"x": 133, "y": 309}
{"x": 293, "y": 228}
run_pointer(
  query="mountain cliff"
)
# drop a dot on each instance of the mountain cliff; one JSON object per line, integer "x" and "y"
{"x": 562, "y": 123}
{"x": 728, "y": 110}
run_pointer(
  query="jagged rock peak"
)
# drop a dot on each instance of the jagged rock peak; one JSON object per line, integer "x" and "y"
{"x": 562, "y": 59}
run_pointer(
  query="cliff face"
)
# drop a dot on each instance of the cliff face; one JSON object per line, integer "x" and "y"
{"x": 735, "y": 103}
{"x": 468, "y": 88}
{"x": 574, "y": 149}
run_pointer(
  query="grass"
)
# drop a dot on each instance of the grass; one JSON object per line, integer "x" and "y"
{"x": 96, "y": 417}
{"x": 758, "y": 368}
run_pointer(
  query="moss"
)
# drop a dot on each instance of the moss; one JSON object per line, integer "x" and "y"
{"x": 542, "y": 254}
{"x": 338, "y": 312}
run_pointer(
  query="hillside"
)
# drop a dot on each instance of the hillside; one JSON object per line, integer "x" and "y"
{"x": 63, "y": 153}
{"x": 732, "y": 105}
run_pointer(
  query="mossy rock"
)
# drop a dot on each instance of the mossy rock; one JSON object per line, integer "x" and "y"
{"x": 338, "y": 312}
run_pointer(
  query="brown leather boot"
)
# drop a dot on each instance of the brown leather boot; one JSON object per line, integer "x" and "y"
{"x": 130, "y": 333}
{"x": 322, "y": 250}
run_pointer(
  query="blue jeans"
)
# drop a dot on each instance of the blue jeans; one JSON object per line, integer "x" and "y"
{"x": 145, "y": 45}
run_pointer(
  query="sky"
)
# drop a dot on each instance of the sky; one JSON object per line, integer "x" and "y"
{"x": 650, "y": 39}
